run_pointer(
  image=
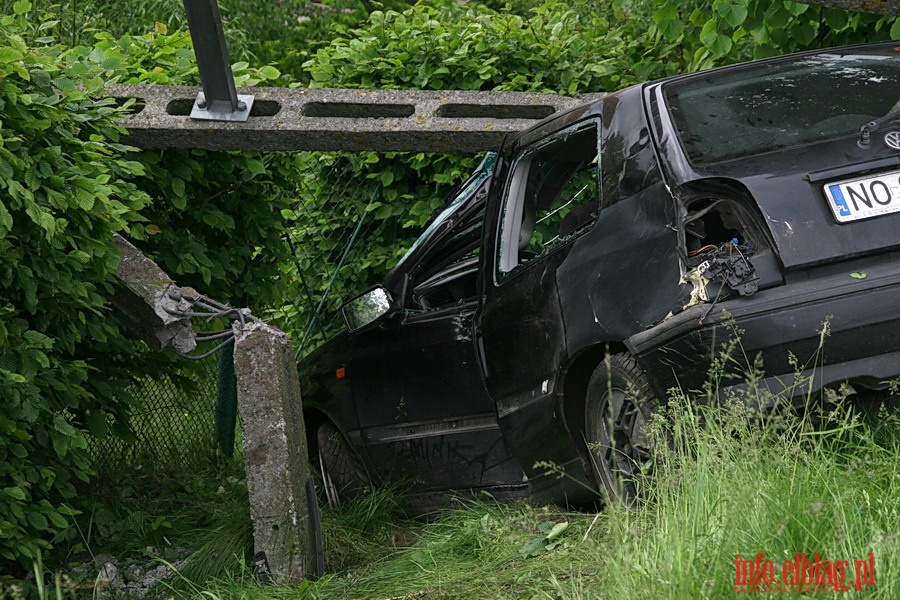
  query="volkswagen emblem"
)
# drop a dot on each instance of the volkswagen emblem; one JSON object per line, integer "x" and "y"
{"x": 892, "y": 139}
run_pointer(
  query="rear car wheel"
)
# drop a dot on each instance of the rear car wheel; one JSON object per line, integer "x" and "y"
{"x": 617, "y": 410}
{"x": 343, "y": 474}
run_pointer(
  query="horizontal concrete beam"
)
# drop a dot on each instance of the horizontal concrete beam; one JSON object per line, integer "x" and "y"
{"x": 329, "y": 119}
{"x": 882, "y": 7}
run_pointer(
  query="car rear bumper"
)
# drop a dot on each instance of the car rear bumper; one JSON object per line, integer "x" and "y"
{"x": 812, "y": 333}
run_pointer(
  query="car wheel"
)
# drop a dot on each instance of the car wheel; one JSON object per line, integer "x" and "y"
{"x": 343, "y": 474}
{"x": 618, "y": 407}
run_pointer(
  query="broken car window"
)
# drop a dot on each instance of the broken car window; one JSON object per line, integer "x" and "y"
{"x": 554, "y": 193}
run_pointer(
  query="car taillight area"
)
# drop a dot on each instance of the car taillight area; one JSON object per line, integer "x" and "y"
{"x": 725, "y": 248}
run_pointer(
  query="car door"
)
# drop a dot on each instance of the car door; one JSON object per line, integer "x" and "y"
{"x": 424, "y": 412}
{"x": 551, "y": 197}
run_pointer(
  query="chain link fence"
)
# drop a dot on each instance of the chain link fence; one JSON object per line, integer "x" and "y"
{"x": 173, "y": 422}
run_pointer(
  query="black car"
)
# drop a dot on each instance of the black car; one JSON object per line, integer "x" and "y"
{"x": 601, "y": 257}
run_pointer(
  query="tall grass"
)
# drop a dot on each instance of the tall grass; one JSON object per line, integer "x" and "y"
{"x": 740, "y": 485}
{"x": 728, "y": 483}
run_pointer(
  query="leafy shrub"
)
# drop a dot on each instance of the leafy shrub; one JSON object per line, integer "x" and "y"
{"x": 215, "y": 219}
{"x": 65, "y": 361}
{"x": 723, "y": 31}
{"x": 66, "y": 189}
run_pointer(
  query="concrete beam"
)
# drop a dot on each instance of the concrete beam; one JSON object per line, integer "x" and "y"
{"x": 881, "y": 7}
{"x": 274, "y": 439}
{"x": 329, "y": 119}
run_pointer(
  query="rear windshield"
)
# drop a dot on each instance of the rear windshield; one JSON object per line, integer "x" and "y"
{"x": 776, "y": 105}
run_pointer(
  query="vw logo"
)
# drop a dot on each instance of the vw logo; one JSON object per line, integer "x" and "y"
{"x": 892, "y": 139}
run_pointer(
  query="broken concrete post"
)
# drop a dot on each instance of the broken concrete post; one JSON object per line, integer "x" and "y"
{"x": 145, "y": 296}
{"x": 275, "y": 450}
{"x": 286, "y": 538}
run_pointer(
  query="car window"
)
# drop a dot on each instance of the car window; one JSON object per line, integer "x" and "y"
{"x": 454, "y": 285}
{"x": 782, "y": 104}
{"x": 552, "y": 195}
{"x": 459, "y": 200}
{"x": 450, "y": 277}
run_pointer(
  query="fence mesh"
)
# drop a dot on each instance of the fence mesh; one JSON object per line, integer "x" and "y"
{"x": 333, "y": 232}
{"x": 173, "y": 424}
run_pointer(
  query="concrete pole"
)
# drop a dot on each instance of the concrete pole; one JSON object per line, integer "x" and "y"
{"x": 275, "y": 452}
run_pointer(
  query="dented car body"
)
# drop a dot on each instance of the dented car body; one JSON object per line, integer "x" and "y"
{"x": 601, "y": 258}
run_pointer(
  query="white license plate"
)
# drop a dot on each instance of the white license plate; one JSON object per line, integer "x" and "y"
{"x": 864, "y": 197}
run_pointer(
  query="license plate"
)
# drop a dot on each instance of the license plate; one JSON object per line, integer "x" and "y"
{"x": 865, "y": 197}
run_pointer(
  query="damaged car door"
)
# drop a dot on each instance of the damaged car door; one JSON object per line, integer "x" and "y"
{"x": 419, "y": 396}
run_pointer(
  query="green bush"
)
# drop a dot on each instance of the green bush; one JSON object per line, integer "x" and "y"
{"x": 724, "y": 31}
{"x": 213, "y": 220}
{"x": 66, "y": 190}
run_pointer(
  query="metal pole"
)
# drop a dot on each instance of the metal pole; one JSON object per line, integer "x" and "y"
{"x": 219, "y": 100}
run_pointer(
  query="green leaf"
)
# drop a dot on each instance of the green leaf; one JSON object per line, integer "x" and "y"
{"x": 37, "y": 520}
{"x": 839, "y": 19}
{"x": 21, "y": 7}
{"x": 270, "y": 72}
{"x": 533, "y": 547}
{"x": 6, "y": 220}
{"x": 96, "y": 423}
{"x": 734, "y": 13}
{"x": 84, "y": 199}
{"x": 15, "y": 493}
{"x": 63, "y": 426}
{"x": 178, "y": 186}
{"x": 36, "y": 338}
{"x": 557, "y": 530}
{"x": 858, "y": 275}
{"x": 8, "y": 54}
{"x": 58, "y": 519}
{"x": 717, "y": 43}
{"x": 179, "y": 202}
{"x": 384, "y": 212}
{"x": 895, "y": 30}
{"x": 255, "y": 166}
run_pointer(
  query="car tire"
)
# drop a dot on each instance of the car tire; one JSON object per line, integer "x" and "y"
{"x": 343, "y": 474}
{"x": 618, "y": 407}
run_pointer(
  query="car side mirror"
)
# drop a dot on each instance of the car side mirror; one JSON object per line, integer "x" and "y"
{"x": 367, "y": 308}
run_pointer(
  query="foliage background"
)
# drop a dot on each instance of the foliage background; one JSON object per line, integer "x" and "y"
{"x": 68, "y": 182}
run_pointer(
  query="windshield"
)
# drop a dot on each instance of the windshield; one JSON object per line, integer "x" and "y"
{"x": 482, "y": 172}
{"x": 775, "y": 105}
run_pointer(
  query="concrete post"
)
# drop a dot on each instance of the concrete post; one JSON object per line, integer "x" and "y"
{"x": 275, "y": 451}
{"x": 146, "y": 299}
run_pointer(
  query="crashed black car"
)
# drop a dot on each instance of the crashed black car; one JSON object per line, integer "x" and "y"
{"x": 598, "y": 260}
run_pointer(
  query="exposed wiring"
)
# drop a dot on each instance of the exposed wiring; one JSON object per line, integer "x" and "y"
{"x": 703, "y": 249}
{"x": 207, "y": 308}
